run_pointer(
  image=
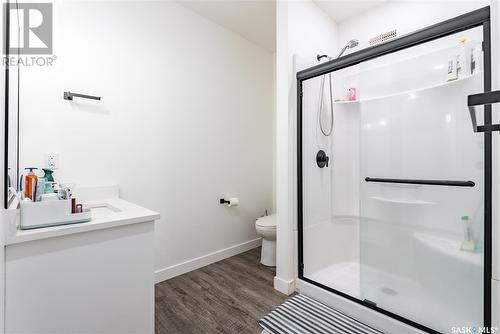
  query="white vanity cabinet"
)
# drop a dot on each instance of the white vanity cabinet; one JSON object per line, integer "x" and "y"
{"x": 95, "y": 277}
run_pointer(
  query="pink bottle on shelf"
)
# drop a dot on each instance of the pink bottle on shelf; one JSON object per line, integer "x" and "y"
{"x": 352, "y": 96}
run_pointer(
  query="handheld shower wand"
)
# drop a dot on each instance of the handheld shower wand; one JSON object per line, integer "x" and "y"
{"x": 322, "y": 158}
{"x": 328, "y": 132}
{"x": 351, "y": 44}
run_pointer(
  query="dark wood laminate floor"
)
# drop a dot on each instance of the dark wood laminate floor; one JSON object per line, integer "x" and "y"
{"x": 229, "y": 296}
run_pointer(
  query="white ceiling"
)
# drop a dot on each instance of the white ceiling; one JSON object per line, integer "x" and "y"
{"x": 342, "y": 10}
{"x": 254, "y": 20}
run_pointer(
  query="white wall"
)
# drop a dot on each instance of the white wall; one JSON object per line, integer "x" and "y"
{"x": 3, "y": 212}
{"x": 404, "y": 15}
{"x": 495, "y": 49}
{"x": 284, "y": 279}
{"x": 310, "y": 30}
{"x": 185, "y": 118}
{"x": 303, "y": 30}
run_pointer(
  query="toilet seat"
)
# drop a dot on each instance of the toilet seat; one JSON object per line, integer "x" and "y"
{"x": 266, "y": 222}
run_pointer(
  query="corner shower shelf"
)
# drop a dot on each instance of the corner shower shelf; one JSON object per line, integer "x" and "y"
{"x": 395, "y": 201}
{"x": 412, "y": 91}
{"x": 450, "y": 248}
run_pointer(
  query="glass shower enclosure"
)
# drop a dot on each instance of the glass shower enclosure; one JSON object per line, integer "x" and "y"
{"x": 394, "y": 175}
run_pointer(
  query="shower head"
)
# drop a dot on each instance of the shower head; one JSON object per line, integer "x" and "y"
{"x": 351, "y": 44}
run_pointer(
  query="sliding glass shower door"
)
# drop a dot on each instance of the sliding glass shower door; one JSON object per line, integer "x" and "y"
{"x": 392, "y": 182}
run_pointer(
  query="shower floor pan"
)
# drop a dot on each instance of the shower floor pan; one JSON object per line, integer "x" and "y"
{"x": 391, "y": 292}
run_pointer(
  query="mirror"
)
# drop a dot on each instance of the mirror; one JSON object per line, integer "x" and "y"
{"x": 10, "y": 85}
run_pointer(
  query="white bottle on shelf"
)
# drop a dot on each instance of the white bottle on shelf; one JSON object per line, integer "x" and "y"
{"x": 476, "y": 59}
{"x": 452, "y": 69}
{"x": 461, "y": 63}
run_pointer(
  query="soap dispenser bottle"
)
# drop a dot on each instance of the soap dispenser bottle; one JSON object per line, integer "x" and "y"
{"x": 30, "y": 184}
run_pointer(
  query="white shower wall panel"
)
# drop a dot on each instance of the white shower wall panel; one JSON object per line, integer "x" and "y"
{"x": 413, "y": 233}
{"x": 317, "y": 188}
{"x": 331, "y": 242}
{"x": 423, "y": 135}
{"x": 330, "y": 194}
{"x": 410, "y": 69}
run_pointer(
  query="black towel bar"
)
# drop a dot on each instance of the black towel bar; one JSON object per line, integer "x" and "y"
{"x": 423, "y": 182}
{"x": 70, "y": 96}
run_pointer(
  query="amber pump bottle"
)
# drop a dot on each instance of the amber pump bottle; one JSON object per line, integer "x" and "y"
{"x": 30, "y": 183}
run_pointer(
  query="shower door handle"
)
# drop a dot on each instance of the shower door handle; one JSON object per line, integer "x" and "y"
{"x": 486, "y": 98}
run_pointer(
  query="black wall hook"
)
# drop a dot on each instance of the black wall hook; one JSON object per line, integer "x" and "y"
{"x": 319, "y": 57}
{"x": 223, "y": 201}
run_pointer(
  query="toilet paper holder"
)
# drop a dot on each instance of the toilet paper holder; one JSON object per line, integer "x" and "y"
{"x": 230, "y": 202}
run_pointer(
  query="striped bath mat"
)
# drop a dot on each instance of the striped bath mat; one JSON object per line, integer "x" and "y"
{"x": 304, "y": 315}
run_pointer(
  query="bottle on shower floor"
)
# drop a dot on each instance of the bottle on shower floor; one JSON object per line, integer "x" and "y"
{"x": 468, "y": 244}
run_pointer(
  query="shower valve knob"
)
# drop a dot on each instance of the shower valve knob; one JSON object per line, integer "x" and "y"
{"x": 322, "y": 159}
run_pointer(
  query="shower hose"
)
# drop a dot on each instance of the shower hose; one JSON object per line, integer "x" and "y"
{"x": 320, "y": 111}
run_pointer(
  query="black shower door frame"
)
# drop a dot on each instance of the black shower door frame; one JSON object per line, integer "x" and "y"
{"x": 480, "y": 17}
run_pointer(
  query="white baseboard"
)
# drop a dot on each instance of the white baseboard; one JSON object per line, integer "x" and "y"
{"x": 193, "y": 264}
{"x": 284, "y": 286}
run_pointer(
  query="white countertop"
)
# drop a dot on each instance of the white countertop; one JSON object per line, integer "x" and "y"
{"x": 129, "y": 214}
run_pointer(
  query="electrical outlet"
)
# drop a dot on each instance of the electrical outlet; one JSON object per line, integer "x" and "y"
{"x": 52, "y": 160}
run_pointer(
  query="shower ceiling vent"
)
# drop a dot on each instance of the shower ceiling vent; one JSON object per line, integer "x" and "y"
{"x": 386, "y": 36}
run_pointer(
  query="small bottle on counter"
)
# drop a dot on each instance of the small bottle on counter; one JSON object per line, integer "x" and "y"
{"x": 30, "y": 184}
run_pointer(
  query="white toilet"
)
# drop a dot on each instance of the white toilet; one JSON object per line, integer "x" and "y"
{"x": 266, "y": 228}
